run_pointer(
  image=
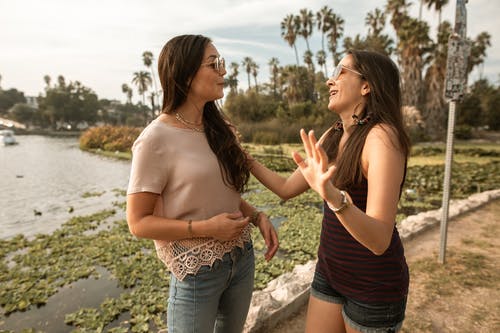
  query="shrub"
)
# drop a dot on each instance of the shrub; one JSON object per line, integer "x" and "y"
{"x": 109, "y": 138}
{"x": 463, "y": 132}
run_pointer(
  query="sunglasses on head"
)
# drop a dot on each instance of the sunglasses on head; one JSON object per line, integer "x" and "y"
{"x": 338, "y": 70}
{"x": 218, "y": 64}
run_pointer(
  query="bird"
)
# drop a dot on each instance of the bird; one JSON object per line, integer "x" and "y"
{"x": 37, "y": 212}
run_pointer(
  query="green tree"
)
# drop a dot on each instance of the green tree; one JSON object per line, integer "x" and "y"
{"x": 233, "y": 77}
{"x": 274, "y": 71}
{"x": 398, "y": 10}
{"x": 306, "y": 25}
{"x": 493, "y": 111}
{"x": 434, "y": 111}
{"x": 128, "y": 92}
{"x": 414, "y": 43}
{"x": 297, "y": 84}
{"x": 438, "y": 7}
{"x": 336, "y": 31}
{"x": 255, "y": 72}
{"x": 47, "y": 79}
{"x": 323, "y": 19}
{"x": 375, "y": 20}
{"x": 289, "y": 27}
{"x": 148, "y": 60}
{"x": 70, "y": 103}
{"x": 248, "y": 64}
{"x": 321, "y": 60}
{"x": 143, "y": 81}
{"x": 23, "y": 113}
{"x": 9, "y": 98}
{"x": 478, "y": 50}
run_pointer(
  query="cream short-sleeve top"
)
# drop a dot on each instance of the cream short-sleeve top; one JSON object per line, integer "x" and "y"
{"x": 179, "y": 165}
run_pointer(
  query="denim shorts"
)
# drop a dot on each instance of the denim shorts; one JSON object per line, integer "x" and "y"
{"x": 366, "y": 318}
{"x": 216, "y": 299}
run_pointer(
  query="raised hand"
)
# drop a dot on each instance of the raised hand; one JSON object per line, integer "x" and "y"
{"x": 227, "y": 226}
{"x": 315, "y": 169}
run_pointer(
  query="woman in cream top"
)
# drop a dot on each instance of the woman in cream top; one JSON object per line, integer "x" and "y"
{"x": 188, "y": 173}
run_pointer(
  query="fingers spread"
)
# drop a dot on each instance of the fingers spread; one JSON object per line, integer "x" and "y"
{"x": 298, "y": 160}
{"x": 307, "y": 144}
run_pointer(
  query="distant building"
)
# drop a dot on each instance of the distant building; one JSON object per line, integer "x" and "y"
{"x": 32, "y": 101}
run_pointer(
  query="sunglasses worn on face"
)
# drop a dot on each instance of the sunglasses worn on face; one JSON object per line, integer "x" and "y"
{"x": 218, "y": 64}
{"x": 338, "y": 70}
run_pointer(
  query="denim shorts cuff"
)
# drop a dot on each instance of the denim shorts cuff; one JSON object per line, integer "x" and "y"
{"x": 364, "y": 329}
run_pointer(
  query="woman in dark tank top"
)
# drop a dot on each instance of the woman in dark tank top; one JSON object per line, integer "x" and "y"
{"x": 358, "y": 167}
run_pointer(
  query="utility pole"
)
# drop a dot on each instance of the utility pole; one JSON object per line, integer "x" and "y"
{"x": 455, "y": 84}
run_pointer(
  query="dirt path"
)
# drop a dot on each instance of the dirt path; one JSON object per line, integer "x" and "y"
{"x": 461, "y": 296}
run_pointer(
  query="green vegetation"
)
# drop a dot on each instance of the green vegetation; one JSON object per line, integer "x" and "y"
{"x": 33, "y": 270}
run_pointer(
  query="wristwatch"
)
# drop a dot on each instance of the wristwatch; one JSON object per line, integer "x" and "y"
{"x": 344, "y": 204}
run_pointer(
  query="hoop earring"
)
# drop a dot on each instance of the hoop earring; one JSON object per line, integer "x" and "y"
{"x": 338, "y": 126}
{"x": 362, "y": 121}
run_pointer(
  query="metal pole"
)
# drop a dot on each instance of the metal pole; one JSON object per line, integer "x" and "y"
{"x": 446, "y": 183}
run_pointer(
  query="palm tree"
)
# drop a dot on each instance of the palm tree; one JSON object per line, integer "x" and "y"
{"x": 47, "y": 79}
{"x": 375, "y": 21}
{"x": 321, "y": 59}
{"x": 233, "y": 77}
{"x": 289, "y": 33}
{"x": 148, "y": 60}
{"x": 274, "y": 70}
{"x": 336, "y": 23}
{"x": 413, "y": 45}
{"x": 398, "y": 9}
{"x": 142, "y": 80}
{"x": 438, "y": 6}
{"x": 478, "y": 51}
{"x": 375, "y": 40}
{"x": 306, "y": 25}
{"x": 308, "y": 60}
{"x": 297, "y": 84}
{"x": 247, "y": 63}
{"x": 434, "y": 112}
{"x": 254, "y": 68}
{"x": 126, "y": 90}
{"x": 323, "y": 23}
{"x": 61, "y": 82}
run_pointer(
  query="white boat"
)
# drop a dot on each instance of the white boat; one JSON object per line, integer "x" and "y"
{"x": 8, "y": 137}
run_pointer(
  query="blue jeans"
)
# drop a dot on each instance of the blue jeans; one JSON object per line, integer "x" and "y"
{"x": 216, "y": 299}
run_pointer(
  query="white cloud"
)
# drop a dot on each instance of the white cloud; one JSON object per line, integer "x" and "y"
{"x": 100, "y": 42}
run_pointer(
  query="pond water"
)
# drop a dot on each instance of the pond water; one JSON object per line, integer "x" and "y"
{"x": 43, "y": 182}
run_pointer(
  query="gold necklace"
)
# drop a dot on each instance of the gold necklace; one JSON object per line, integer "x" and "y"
{"x": 187, "y": 123}
{"x": 184, "y": 120}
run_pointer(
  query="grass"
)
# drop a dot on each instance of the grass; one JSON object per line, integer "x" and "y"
{"x": 463, "y": 268}
{"x": 97, "y": 241}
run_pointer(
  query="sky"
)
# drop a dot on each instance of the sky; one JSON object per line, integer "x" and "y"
{"x": 100, "y": 42}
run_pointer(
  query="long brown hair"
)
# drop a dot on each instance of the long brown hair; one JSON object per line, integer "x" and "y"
{"x": 383, "y": 106}
{"x": 178, "y": 63}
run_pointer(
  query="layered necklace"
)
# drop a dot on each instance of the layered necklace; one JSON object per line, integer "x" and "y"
{"x": 189, "y": 124}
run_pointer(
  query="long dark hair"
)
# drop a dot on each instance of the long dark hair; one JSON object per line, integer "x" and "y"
{"x": 383, "y": 106}
{"x": 178, "y": 63}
